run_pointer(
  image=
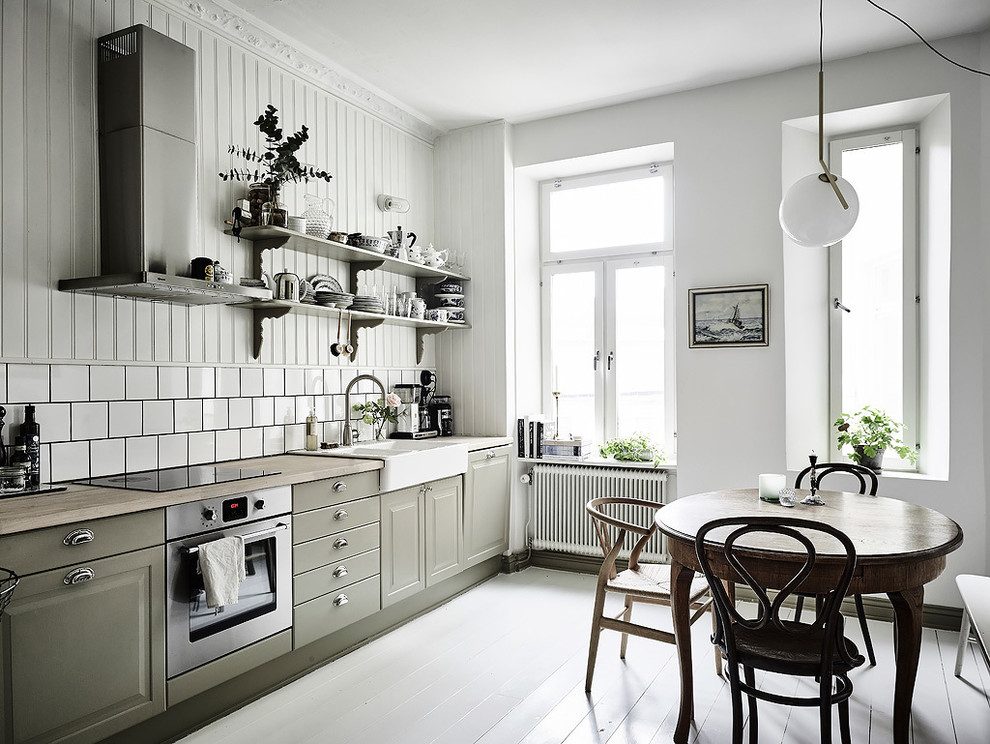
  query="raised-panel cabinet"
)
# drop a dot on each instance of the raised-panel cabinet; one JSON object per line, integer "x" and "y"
{"x": 80, "y": 661}
{"x": 486, "y": 505}
{"x": 403, "y": 544}
{"x": 444, "y": 536}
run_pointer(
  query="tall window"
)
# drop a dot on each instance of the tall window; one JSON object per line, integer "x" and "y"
{"x": 873, "y": 272}
{"x": 608, "y": 302}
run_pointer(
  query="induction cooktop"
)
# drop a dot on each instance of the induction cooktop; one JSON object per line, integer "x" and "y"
{"x": 172, "y": 479}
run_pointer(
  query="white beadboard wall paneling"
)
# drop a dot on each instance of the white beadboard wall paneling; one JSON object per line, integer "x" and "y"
{"x": 49, "y": 195}
{"x": 471, "y": 170}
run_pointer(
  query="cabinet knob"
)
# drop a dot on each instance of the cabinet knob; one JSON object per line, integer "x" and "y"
{"x": 340, "y": 515}
{"x": 338, "y": 487}
{"x": 490, "y": 455}
{"x": 79, "y": 576}
{"x": 340, "y": 542}
{"x": 78, "y": 537}
{"x": 340, "y": 571}
{"x": 340, "y": 600}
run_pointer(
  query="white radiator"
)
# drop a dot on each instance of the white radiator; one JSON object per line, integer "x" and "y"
{"x": 560, "y": 492}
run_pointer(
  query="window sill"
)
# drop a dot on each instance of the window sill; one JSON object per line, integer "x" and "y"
{"x": 601, "y": 462}
{"x": 912, "y": 475}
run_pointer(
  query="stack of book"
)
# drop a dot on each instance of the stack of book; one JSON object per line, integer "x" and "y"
{"x": 531, "y": 432}
{"x": 567, "y": 449}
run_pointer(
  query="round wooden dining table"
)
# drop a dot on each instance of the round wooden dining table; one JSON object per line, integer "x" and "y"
{"x": 900, "y": 547}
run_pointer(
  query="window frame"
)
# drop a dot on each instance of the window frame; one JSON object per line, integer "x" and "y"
{"x": 911, "y": 361}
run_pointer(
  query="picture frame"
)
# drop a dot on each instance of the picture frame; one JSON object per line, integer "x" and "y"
{"x": 732, "y": 316}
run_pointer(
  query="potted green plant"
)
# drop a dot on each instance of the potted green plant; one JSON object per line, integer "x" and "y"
{"x": 871, "y": 432}
{"x": 276, "y": 165}
{"x": 637, "y": 448}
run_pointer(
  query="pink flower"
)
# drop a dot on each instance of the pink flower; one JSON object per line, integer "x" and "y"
{"x": 392, "y": 400}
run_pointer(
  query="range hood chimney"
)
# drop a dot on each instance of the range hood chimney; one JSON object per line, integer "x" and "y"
{"x": 146, "y": 86}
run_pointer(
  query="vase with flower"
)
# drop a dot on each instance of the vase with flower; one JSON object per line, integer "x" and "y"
{"x": 376, "y": 413}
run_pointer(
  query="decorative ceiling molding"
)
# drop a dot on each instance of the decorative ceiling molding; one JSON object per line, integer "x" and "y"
{"x": 271, "y": 45}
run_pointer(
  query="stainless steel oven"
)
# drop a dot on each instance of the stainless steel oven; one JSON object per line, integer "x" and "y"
{"x": 197, "y": 634}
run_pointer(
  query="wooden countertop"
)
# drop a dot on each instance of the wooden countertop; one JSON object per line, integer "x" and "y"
{"x": 80, "y": 503}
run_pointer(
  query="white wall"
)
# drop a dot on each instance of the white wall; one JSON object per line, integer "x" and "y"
{"x": 731, "y": 402}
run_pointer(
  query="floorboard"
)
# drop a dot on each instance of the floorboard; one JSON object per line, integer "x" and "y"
{"x": 505, "y": 662}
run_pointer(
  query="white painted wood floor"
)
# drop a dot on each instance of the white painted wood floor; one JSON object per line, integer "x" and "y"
{"x": 505, "y": 663}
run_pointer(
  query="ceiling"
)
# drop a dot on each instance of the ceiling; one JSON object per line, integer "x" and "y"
{"x": 455, "y": 63}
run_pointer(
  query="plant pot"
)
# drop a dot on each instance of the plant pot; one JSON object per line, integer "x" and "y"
{"x": 874, "y": 463}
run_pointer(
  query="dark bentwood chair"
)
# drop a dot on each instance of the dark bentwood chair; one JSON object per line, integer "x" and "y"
{"x": 769, "y": 643}
{"x": 640, "y": 582}
{"x": 863, "y": 475}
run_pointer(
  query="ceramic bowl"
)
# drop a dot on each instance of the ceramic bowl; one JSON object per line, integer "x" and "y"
{"x": 371, "y": 243}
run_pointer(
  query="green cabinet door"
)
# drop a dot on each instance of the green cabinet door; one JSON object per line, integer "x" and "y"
{"x": 80, "y": 661}
{"x": 486, "y": 505}
{"x": 403, "y": 544}
{"x": 444, "y": 536}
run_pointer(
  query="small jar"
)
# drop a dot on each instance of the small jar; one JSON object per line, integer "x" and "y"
{"x": 12, "y": 479}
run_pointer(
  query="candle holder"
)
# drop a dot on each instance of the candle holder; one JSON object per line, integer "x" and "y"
{"x": 556, "y": 414}
{"x": 813, "y": 499}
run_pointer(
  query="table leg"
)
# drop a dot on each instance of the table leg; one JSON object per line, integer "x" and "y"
{"x": 907, "y": 627}
{"x": 680, "y": 590}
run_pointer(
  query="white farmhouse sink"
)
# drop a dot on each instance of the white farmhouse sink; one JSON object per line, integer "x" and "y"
{"x": 408, "y": 462}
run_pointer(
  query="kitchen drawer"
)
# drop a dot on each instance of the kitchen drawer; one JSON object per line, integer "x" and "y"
{"x": 321, "y": 522}
{"x": 335, "y": 576}
{"x": 336, "y": 547}
{"x": 41, "y": 550}
{"x": 334, "y": 611}
{"x": 307, "y": 496}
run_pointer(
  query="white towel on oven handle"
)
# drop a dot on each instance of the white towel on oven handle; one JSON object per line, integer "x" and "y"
{"x": 222, "y": 564}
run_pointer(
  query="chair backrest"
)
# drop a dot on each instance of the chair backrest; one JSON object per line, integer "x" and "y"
{"x": 611, "y": 530}
{"x": 801, "y": 531}
{"x": 824, "y": 468}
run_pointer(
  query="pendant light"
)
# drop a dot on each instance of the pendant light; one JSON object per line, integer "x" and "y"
{"x": 819, "y": 209}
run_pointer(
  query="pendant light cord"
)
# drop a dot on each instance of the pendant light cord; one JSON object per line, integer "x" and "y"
{"x": 924, "y": 40}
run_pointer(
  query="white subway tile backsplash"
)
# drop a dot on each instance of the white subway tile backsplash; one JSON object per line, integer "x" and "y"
{"x": 252, "y": 443}
{"x": 228, "y": 382}
{"x": 295, "y": 437}
{"x": 240, "y": 414}
{"x": 141, "y": 453}
{"x": 126, "y": 418}
{"x": 285, "y": 411}
{"x": 69, "y": 382}
{"x": 263, "y": 411}
{"x": 173, "y": 450}
{"x": 54, "y": 420}
{"x": 158, "y": 417}
{"x": 331, "y": 432}
{"x": 274, "y": 440}
{"x": 314, "y": 382}
{"x": 188, "y": 415}
{"x": 215, "y": 413}
{"x": 228, "y": 445}
{"x": 324, "y": 407}
{"x": 305, "y": 404}
{"x": 202, "y": 382}
{"x": 274, "y": 381}
{"x": 106, "y": 457}
{"x": 252, "y": 381}
{"x": 295, "y": 382}
{"x": 173, "y": 382}
{"x": 202, "y": 447}
{"x": 141, "y": 383}
{"x": 69, "y": 461}
{"x": 46, "y": 463}
{"x": 106, "y": 382}
{"x": 28, "y": 383}
{"x": 90, "y": 421}
{"x": 3, "y": 382}
{"x": 339, "y": 411}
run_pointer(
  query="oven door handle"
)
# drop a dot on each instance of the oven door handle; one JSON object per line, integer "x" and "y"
{"x": 249, "y": 536}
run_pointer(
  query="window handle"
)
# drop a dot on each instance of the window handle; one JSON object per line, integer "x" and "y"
{"x": 839, "y": 306}
{"x": 598, "y": 358}
{"x": 609, "y": 360}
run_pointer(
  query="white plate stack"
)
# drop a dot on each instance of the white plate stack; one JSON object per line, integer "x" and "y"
{"x": 368, "y": 304}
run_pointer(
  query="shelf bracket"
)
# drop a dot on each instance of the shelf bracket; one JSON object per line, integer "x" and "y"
{"x": 421, "y": 334}
{"x": 357, "y": 267}
{"x": 359, "y": 323}
{"x": 260, "y": 315}
{"x": 260, "y": 246}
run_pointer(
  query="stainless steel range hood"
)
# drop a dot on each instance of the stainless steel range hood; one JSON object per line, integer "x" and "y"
{"x": 147, "y": 122}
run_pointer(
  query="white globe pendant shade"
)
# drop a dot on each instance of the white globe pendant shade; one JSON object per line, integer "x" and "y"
{"x": 811, "y": 215}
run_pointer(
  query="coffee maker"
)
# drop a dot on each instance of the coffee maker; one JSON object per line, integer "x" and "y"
{"x": 410, "y": 423}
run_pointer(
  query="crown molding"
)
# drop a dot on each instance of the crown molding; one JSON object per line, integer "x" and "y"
{"x": 282, "y": 50}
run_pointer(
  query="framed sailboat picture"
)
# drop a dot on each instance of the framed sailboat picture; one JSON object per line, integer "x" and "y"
{"x": 729, "y": 316}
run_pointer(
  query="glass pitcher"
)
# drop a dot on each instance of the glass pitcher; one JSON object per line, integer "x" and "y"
{"x": 318, "y": 216}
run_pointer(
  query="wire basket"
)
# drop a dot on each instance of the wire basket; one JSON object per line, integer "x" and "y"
{"x": 8, "y": 582}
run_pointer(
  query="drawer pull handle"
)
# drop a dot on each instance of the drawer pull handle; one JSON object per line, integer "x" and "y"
{"x": 340, "y": 542}
{"x": 79, "y": 576}
{"x": 341, "y": 600}
{"x": 340, "y": 571}
{"x": 338, "y": 487}
{"x": 490, "y": 456}
{"x": 340, "y": 515}
{"x": 78, "y": 537}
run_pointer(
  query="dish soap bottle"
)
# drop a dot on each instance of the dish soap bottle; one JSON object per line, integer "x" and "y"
{"x": 312, "y": 440}
{"x": 31, "y": 432}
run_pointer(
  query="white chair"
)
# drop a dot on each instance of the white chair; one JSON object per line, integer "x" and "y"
{"x": 975, "y": 593}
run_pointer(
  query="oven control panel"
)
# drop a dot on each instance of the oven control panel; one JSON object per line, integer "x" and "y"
{"x": 183, "y": 520}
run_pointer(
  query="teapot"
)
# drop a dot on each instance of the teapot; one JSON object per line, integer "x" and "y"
{"x": 286, "y": 286}
{"x": 433, "y": 257}
{"x": 415, "y": 254}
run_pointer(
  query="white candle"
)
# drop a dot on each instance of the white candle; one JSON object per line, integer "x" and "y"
{"x": 770, "y": 485}
{"x": 556, "y": 379}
